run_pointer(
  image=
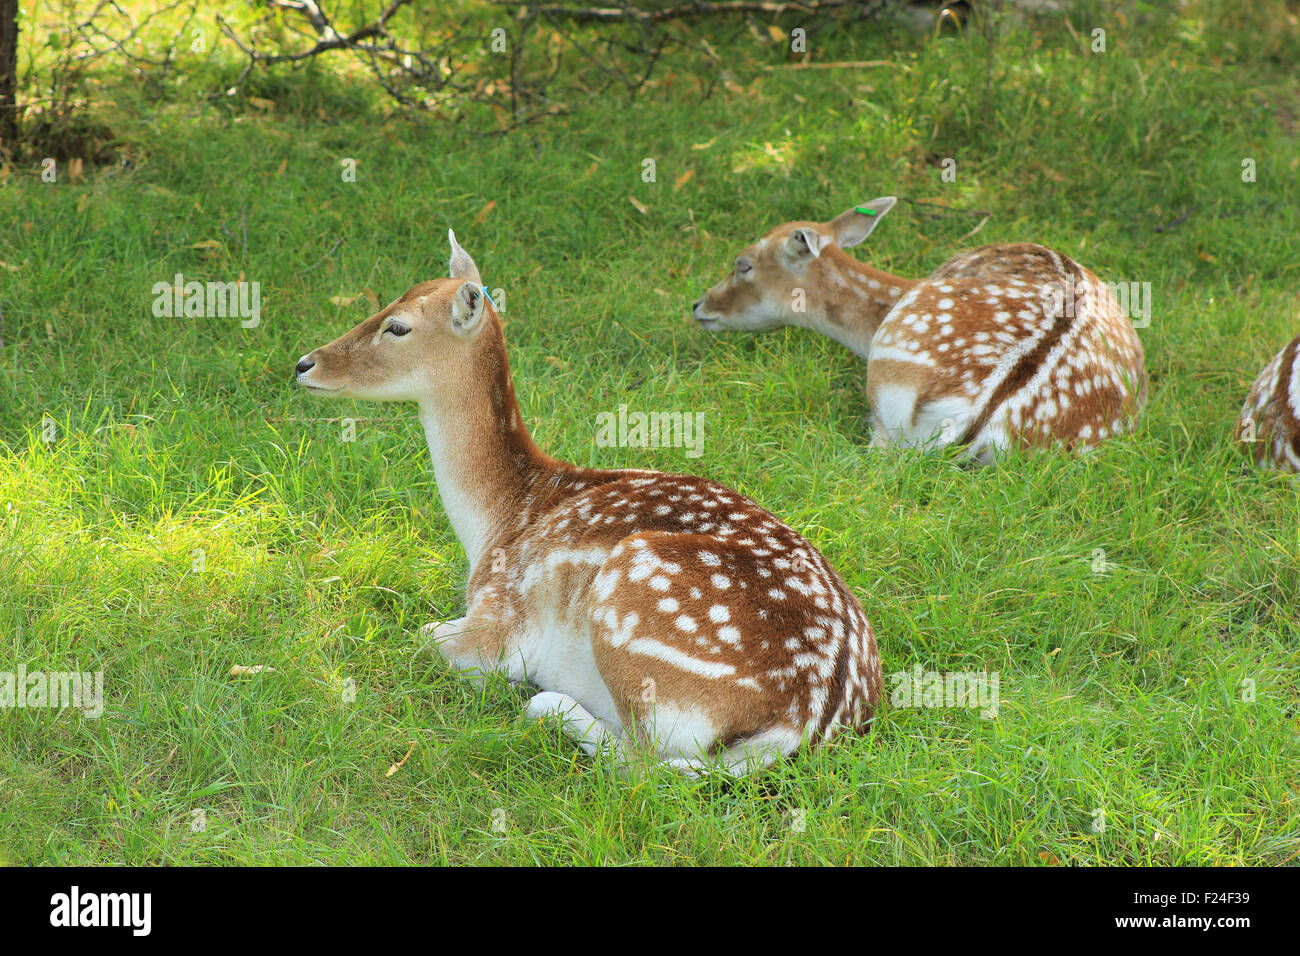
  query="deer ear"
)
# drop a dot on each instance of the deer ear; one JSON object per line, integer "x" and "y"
{"x": 852, "y": 227}
{"x": 468, "y": 308}
{"x": 806, "y": 241}
{"x": 462, "y": 266}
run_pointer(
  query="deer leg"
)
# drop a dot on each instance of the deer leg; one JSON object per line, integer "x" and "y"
{"x": 472, "y": 644}
{"x": 579, "y": 725}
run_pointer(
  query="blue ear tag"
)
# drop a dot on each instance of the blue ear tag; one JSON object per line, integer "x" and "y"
{"x": 487, "y": 295}
{"x": 864, "y": 210}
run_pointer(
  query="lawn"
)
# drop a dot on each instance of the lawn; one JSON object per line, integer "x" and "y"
{"x": 172, "y": 507}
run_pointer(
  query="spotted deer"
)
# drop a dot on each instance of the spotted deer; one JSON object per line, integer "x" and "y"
{"x": 1003, "y": 346}
{"x": 661, "y": 615}
{"x": 1269, "y": 426}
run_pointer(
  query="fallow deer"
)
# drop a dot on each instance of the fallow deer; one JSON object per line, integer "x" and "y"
{"x": 1001, "y": 346}
{"x": 658, "y": 613}
{"x": 1269, "y": 426}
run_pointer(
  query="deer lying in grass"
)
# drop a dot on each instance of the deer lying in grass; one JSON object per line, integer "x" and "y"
{"x": 660, "y": 613}
{"x": 1269, "y": 426}
{"x": 1004, "y": 345}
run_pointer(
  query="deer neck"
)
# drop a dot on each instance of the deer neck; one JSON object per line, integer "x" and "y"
{"x": 484, "y": 460}
{"x": 855, "y": 298}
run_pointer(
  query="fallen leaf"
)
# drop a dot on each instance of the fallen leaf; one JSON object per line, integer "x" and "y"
{"x": 401, "y": 763}
{"x": 483, "y": 213}
{"x": 344, "y": 299}
{"x": 261, "y": 104}
{"x": 641, "y": 207}
{"x": 209, "y": 244}
{"x": 284, "y": 164}
{"x": 683, "y": 179}
{"x": 242, "y": 670}
{"x": 6, "y": 265}
{"x": 1206, "y": 256}
{"x": 776, "y": 33}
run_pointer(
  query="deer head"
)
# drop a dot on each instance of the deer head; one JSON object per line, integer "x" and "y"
{"x": 793, "y": 275}
{"x": 441, "y": 345}
{"x": 427, "y": 346}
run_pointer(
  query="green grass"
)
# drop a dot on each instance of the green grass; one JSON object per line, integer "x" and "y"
{"x": 183, "y": 439}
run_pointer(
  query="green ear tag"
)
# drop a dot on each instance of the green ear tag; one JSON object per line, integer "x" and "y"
{"x": 864, "y": 210}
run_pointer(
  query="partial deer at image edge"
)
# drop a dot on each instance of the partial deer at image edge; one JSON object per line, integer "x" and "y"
{"x": 1269, "y": 425}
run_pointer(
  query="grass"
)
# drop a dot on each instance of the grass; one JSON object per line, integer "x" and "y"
{"x": 195, "y": 512}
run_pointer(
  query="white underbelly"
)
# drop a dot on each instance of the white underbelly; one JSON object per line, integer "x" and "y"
{"x": 556, "y": 655}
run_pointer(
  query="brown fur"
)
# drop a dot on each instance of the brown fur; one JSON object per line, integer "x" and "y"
{"x": 978, "y": 335}
{"x": 1271, "y": 407}
{"x": 760, "y": 637}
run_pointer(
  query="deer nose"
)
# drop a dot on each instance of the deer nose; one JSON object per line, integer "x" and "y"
{"x": 304, "y": 366}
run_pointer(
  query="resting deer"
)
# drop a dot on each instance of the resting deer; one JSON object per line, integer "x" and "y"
{"x": 660, "y": 613}
{"x": 1269, "y": 426}
{"x": 1004, "y": 345}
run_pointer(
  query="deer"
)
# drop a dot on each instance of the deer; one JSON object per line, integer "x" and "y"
{"x": 1004, "y": 346}
{"x": 662, "y": 617}
{"x": 1268, "y": 428}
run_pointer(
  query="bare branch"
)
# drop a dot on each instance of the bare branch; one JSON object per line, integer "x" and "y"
{"x": 330, "y": 38}
{"x": 698, "y": 8}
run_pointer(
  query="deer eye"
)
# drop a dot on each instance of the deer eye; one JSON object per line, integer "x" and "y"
{"x": 397, "y": 328}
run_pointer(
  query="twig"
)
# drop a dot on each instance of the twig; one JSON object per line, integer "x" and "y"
{"x": 616, "y": 73}
{"x": 978, "y": 226}
{"x": 948, "y": 210}
{"x": 337, "y": 242}
{"x": 1177, "y": 222}
{"x": 845, "y": 64}
{"x": 401, "y": 763}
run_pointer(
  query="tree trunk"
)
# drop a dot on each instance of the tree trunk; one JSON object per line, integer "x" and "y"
{"x": 8, "y": 74}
